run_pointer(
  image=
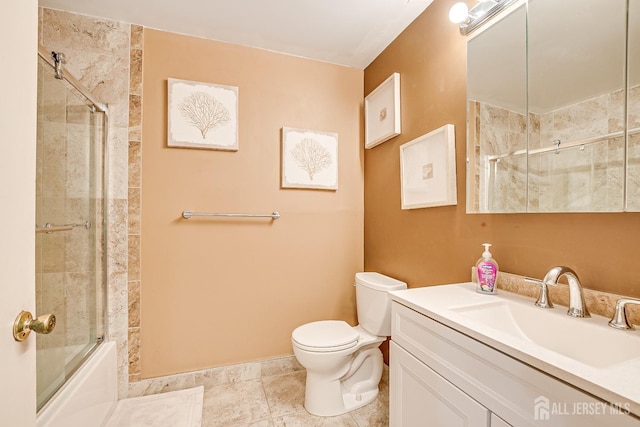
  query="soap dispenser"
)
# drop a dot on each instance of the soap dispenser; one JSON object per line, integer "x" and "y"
{"x": 487, "y": 272}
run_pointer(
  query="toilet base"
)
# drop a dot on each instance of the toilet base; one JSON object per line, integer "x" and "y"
{"x": 354, "y": 389}
{"x": 351, "y": 401}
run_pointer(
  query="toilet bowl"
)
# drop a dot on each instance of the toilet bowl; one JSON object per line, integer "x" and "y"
{"x": 343, "y": 363}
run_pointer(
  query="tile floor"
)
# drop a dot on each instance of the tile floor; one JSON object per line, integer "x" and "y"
{"x": 268, "y": 393}
{"x": 277, "y": 401}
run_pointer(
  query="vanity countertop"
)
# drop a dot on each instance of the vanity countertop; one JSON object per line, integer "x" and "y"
{"x": 613, "y": 377}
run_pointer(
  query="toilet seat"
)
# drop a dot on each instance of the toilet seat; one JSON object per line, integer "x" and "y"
{"x": 325, "y": 336}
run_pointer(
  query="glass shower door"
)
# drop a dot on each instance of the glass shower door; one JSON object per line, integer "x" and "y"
{"x": 69, "y": 225}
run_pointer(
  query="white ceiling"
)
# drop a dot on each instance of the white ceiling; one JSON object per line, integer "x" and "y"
{"x": 346, "y": 32}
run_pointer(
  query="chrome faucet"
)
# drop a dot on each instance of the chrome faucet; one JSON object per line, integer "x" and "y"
{"x": 619, "y": 319}
{"x": 543, "y": 300}
{"x": 577, "y": 305}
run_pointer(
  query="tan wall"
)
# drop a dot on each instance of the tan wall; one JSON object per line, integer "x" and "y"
{"x": 216, "y": 292}
{"x": 439, "y": 245}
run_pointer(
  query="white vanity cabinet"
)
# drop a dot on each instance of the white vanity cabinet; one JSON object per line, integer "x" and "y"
{"x": 440, "y": 377}
{"x": 420, "y": 397}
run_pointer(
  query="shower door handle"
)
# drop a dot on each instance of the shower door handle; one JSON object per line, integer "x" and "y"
{"x": 25, "y": 323}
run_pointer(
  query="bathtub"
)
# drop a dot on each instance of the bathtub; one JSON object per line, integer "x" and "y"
{"x": 88, "y": 396}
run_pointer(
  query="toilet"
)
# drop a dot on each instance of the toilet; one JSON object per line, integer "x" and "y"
{"x": 343, "y": 362}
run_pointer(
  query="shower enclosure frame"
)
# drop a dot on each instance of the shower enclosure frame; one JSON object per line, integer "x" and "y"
{"x": 56, "y": 62}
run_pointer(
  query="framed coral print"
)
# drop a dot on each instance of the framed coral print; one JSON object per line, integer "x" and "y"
{"x": 382, "y": 112}
{"x": 202, "y": 115}
{"x": 309, "y": 159}
{"x": 428, "y": 170}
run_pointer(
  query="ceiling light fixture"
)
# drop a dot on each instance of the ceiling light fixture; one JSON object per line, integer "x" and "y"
{"x": 470, "y": 19}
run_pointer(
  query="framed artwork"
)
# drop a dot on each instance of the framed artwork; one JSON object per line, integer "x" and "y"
{"x": 202, "y": 115}
{"x": 382, "y": 112}
{"x": 428, "y": 170}
{"x": 309, "y": 159}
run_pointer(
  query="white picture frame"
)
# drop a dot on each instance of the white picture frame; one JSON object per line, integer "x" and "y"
{"x": 202, "y": 115}
{"x": 382, "y": 112}
{"x": 428, "y": 170}
{"x": 309, "y": 159}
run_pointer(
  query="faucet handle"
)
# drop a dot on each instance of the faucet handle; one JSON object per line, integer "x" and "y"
{"x": 619, "y": 319}
{"x": 543, "y": 300}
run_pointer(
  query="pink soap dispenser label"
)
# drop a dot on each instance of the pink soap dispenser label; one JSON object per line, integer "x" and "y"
{"x": 487, "y": 273}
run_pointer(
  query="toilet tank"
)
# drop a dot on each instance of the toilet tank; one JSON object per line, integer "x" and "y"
{"x": 373, "y": 303}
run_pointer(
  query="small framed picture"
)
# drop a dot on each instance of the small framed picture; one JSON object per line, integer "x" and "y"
{"x": 382, "y": 112}
{"x": 428, "y": 170}
{"x": 309, "y": 159}
{"x": 202, "y": 115}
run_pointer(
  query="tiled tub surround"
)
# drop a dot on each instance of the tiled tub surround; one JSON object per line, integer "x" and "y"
{"x": 134, "y": 198}
{"x": 269, "y": 393}
{"x": 98, "y": 54}
{"x": 68, "y": 264}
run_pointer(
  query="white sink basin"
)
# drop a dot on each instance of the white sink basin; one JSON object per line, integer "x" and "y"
{"x": 584, "y": 352}
{"x": 587, "y": 340}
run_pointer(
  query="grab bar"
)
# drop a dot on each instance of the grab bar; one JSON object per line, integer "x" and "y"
{"x": 49, "y": 228}
{"x": 188, "y": 214}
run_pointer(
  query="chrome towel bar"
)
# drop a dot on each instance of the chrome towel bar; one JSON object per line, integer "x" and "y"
{"x": 52, "y": 228}
{"x": 188, "y": 214}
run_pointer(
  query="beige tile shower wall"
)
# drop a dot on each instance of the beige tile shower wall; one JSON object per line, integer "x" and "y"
{"x": 97, "y": 53}
{"x": 135, "y": 194}
{"x": 65, "y": 194}
{"x": 50, "y": 198}
{"x": 50, "y": 194}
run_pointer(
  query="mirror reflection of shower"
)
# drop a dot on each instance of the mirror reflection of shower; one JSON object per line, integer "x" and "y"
{"x": 554, "y": 111}
{"x": 70, "y": 190}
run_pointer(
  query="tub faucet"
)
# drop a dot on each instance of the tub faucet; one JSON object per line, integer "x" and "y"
{"x": 577, "y": 305}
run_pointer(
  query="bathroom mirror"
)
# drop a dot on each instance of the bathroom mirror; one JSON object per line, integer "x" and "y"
{"x": 497, "y": 121}
{"x": 547, "y": 91}
{"x": 633, "y": 110}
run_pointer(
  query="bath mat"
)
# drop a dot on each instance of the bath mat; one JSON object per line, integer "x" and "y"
{"x": 181, "y": 408}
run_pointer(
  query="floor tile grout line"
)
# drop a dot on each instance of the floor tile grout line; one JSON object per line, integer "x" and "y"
{"x": 264, "y": 392}
{"x": 293, "y": 412}
{"x": 292, "y": 372}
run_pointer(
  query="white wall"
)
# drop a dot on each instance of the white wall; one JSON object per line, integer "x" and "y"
{"x": 18, "y": 86}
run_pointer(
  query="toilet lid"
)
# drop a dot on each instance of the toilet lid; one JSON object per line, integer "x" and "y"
{"x": 325, "y": 335}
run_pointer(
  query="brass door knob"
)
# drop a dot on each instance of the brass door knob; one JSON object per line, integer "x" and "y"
{"x": 25, "y": 323}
